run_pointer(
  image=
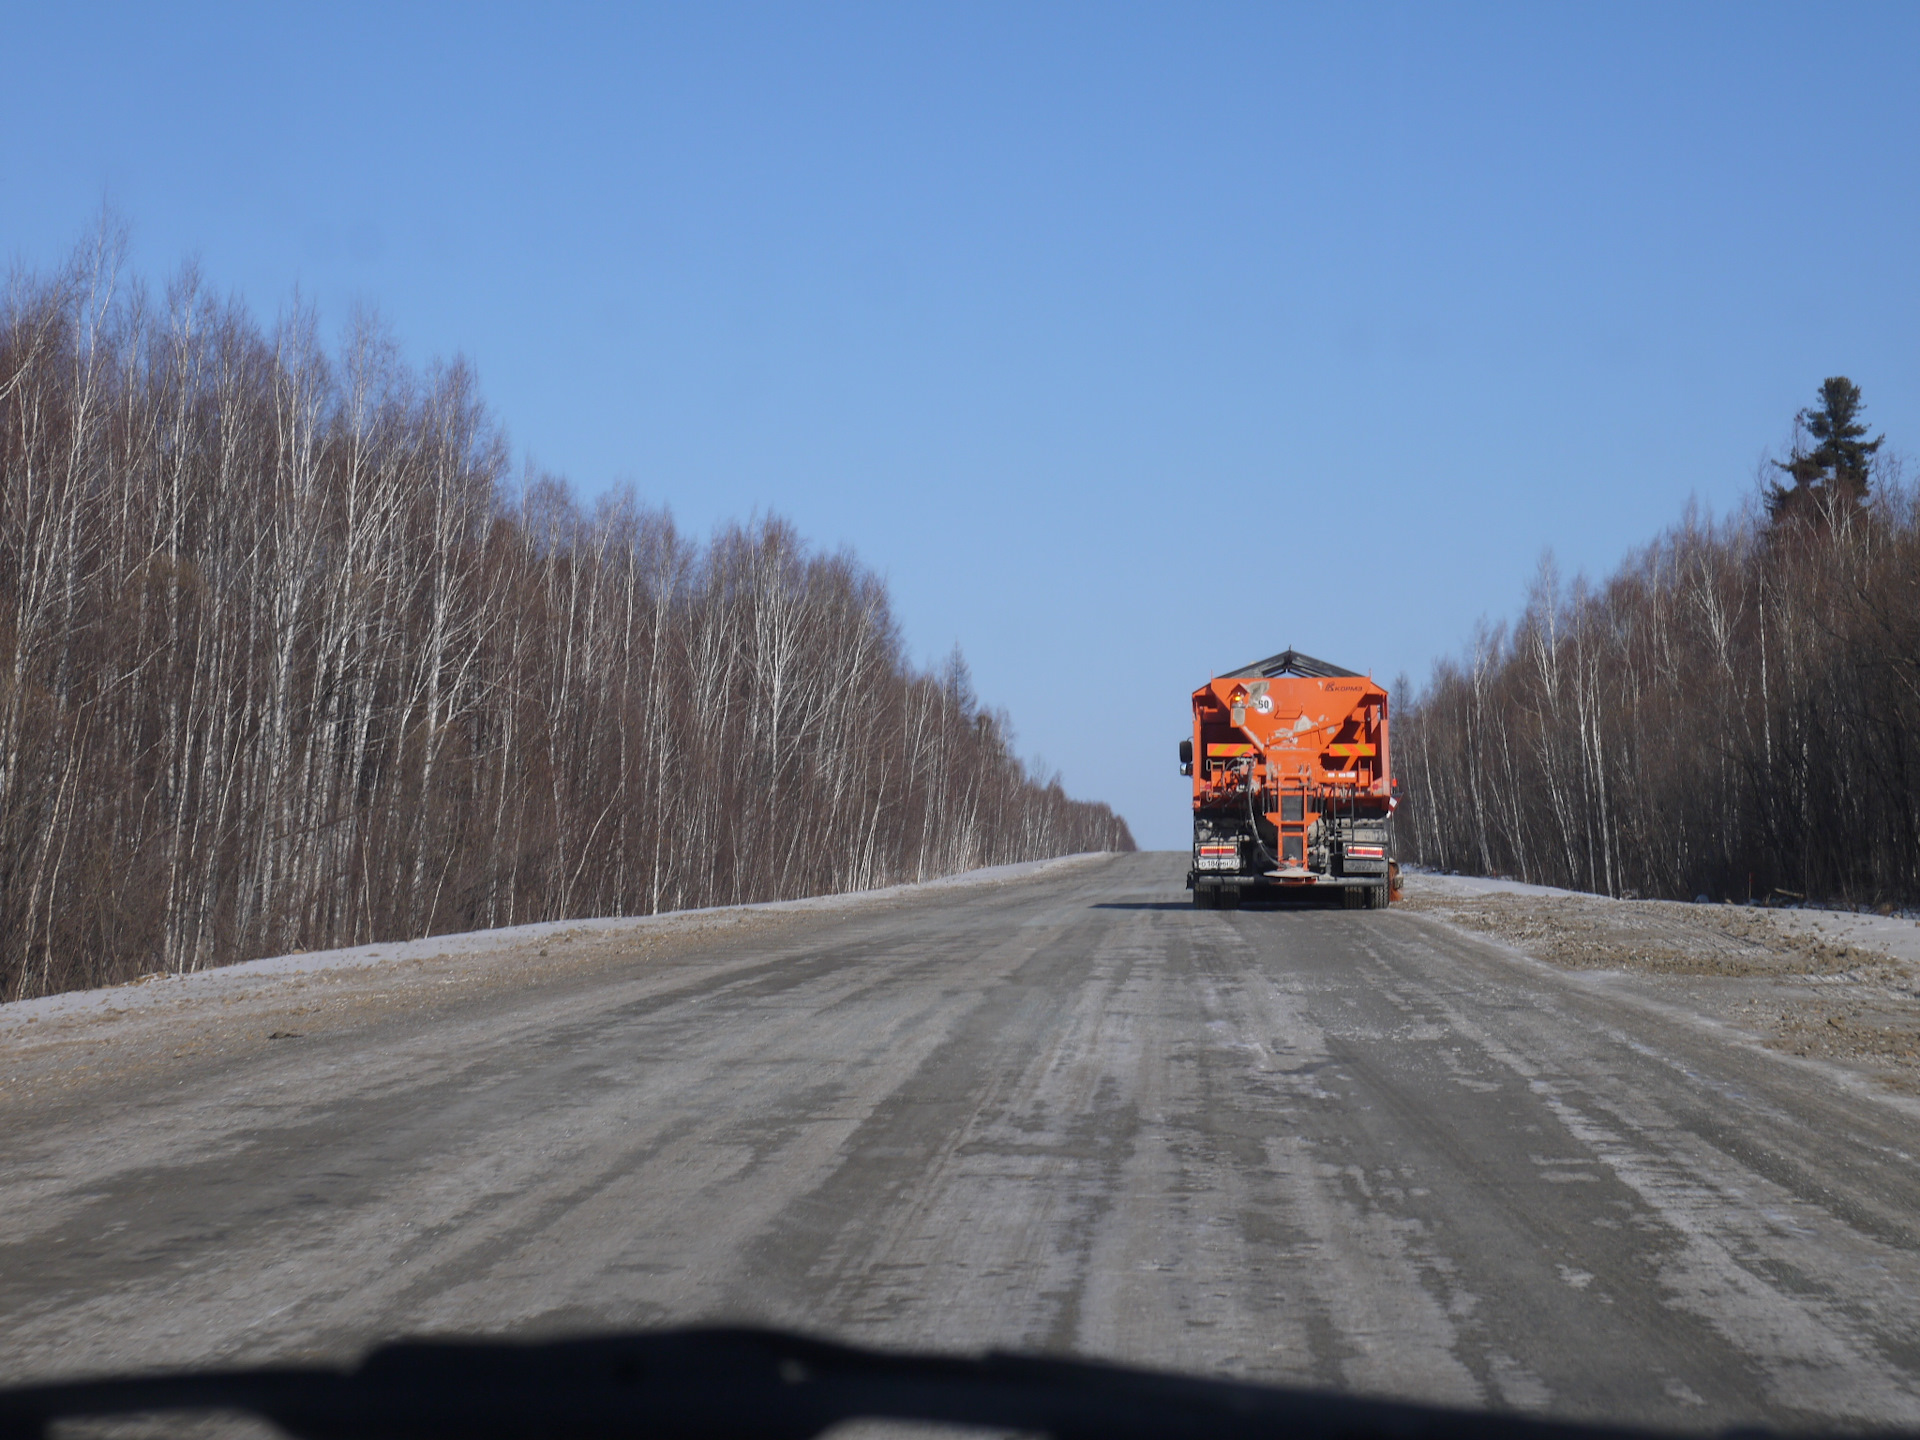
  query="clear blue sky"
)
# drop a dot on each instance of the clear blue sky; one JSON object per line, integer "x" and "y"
{"x": 1130, "y": 343}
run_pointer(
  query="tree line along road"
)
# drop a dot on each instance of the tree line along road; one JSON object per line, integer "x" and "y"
{"x": 1057, "y": 1109}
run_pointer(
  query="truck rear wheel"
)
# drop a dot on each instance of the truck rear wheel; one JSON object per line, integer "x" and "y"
{"x": 1229, "y": 897}
{"x": 1205, "y": 897}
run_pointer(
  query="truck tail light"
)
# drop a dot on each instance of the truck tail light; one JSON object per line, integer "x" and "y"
{"x": 1367, "y": 852}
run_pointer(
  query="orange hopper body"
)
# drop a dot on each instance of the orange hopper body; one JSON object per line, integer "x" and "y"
{"x": 1292, "y": 780}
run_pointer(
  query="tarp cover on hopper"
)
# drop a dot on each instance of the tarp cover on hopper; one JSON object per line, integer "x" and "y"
{"x": 1288, "y": 662}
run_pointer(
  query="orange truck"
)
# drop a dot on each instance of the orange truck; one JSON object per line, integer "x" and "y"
{"x": 1292, "y": 787}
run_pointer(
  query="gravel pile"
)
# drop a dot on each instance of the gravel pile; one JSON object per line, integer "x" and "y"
{"x": 1830, "y": 985}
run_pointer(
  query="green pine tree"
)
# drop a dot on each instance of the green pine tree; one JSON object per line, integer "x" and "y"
{"x": 1835, "y": 471}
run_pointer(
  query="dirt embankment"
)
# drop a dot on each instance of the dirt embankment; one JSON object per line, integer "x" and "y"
{"x": 1825, "y": 984}
{"x": 58, "y": 1049}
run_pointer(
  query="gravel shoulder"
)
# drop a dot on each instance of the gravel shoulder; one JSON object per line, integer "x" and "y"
{"x": 1820, "y": 984}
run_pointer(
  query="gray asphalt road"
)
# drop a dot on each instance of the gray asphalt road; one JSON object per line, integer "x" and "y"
{"x": 1069, "y": 1113}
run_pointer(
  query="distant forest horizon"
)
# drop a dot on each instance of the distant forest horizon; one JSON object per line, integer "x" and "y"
{"x": 1733, "y": 713}
{"x": 289, "y": 659}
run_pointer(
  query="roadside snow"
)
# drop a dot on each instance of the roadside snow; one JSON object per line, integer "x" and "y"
{"x": 1484, "y": 885}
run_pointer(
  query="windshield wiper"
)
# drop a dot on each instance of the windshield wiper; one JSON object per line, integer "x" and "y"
{"x": 706, "y": 1384}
